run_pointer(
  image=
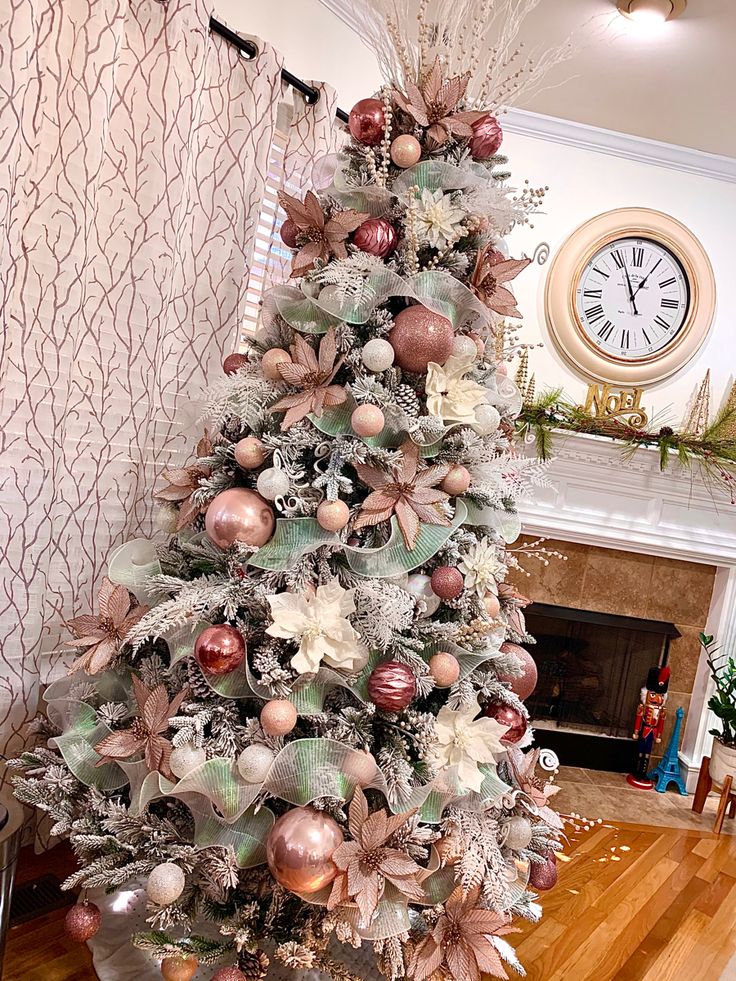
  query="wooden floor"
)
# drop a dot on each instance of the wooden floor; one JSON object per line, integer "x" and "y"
{"x": 634, "y": 903}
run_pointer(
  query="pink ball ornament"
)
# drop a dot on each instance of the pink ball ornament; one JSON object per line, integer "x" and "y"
{"x": 219, "y": 649}
{"x": 239, "y": 515}
{"x": 249, "y": 453}
{"x": 367, "y": 420}
{"x": 522, "y": 687}
{"x": 447, "y": 582}
{"x": 233, "y": 363}
{"x": 271, "y": 360}
{"x": 444, "y": 668}
{"x": 229, "y": 974}
{"x": 406, "y": 150}
{"x": 487, "y": 137}
{"x": 376, "y": 236}
{"x": 288, "y": 233}
{"x": 367, "y": 122}
{"x": 544, "y": 877}
{"x": 420, "y": 335}
{"x": 278, "y": 717}
{"x": 82, "y": 922}
{"x": 507, "y": 716}
{"x": 392, "y": 686}
{"x": 457, "y": 481}
{"x": 492, "y": 605}
{"x": 299, "y": 849}
{"x": 333, "y": 515}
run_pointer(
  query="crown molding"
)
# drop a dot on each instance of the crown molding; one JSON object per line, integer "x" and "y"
{"x": 594, "y": 138}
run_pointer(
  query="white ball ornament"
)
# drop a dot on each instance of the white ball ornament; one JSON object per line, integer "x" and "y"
{"x": 377, "y": 355}
{"x": 487, "y": 418}
{"x": 186, "y": 758}
{"x": 272, "y": 483}
{"x": 165, "y": 884}
{"x": 464, "y": 347}
{"x": 420, "y": 588}
{"x": 516, "y": 833}
{"x": 255, "y": 762}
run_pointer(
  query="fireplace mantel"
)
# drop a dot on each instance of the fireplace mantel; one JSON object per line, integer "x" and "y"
{"x": 598, "y": 498}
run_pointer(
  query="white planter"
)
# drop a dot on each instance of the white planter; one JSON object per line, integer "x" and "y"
{"x": 722, "y": 763}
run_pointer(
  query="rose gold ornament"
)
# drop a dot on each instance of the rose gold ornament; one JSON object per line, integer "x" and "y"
{"x": 444, "y": 668}
{"x": 367, "y": 121}
{"x": 299, "y": 849}
{"x": 249, "y": 453}
{"x": 457, "y": 481}
{"x": 229, "y": 974}
{"x": 392, "y": 686}
{"x": 333, "y": 515}
{"x": 447, "y": 582}
{"x": 544, "y": 877}
{"x": 492, "y": 605}
{"x": 419, "y": 336}
{"x": 522, "y": 687}
{"x": 376, "y": 236}
{"x": 367, "y": 420}
{"x": 82, "y": 922}
{"x": 406, "y": 150}
{"x": 508, "y": 716}
{"x": 278, "y": 717}
{"x": 487, "y": 137}
{"x": 219, "y": 649}
{"x": 239, "y": 515}
{"x": 271, "y": 360}
{"x": 179, "y": 968}
{"x": 288, "y": 233}
{"x": 233, "y": 363}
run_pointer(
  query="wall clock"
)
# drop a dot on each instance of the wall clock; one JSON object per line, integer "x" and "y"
{"x": 630, "y": 297}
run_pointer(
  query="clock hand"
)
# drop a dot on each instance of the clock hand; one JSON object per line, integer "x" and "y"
{"x": 631, "y": 292}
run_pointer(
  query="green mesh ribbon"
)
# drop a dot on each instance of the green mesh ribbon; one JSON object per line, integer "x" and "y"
{"x": 468, "y": 660}
{"x": 81, "y": 733}
{"x": 436, "y": 175}
{"x": 335, "y": 421}
{"x": 219, "y": 782}
{"x": 306, "y": 769}
{"x": 506, "y": 524}
{"x": 246, "y": 836}
{"x": 299, "y": 311}
{"x": 132, "y": 565}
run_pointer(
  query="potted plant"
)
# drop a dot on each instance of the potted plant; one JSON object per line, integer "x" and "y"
{"x": 722, "y": 704}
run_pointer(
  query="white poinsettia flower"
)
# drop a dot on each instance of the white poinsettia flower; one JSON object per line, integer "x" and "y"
{"x": 464, "y": 741}
{"x": 451, "y": 396}
{"x": 482, "y": 567}
{"x": 320, "y": 623}
{"x": 438, "y": 219}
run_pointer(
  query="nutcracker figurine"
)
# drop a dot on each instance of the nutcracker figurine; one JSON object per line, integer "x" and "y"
{"x": 649, "y": 724}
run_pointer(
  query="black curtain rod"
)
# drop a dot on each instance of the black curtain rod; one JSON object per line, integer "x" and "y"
{"x": 311, "y": 95}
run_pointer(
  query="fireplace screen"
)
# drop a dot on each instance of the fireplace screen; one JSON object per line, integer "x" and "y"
{"x": 592, "y": 667}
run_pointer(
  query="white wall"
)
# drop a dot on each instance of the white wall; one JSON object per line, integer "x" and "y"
{"x": 583, "y": 182}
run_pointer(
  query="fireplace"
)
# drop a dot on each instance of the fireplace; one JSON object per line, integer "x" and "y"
{"x": 591, "y": 668}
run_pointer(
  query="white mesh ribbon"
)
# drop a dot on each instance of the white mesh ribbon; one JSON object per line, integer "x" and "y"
{"x": 503, "y": 392}
{"x": 438, "y": 175}
{"x": 506, "y": 524}
{"x": 132, "y": 564}
{"x": 468, "y": 660}
{"x": 81, "y": 732}
{"x": 299, "y": 310}
{"x": 306, "y": 769}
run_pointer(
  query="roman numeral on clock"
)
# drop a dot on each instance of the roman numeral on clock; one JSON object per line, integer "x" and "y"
{"x": 618, "y": 258}
{"x": 638, "y": 256}
{"x": 593, "y": 294}
{"x": 606, "y": 330}
{"x": 625, "y": 338}
{"x": 594, "y": 314}
{"x": 664, "y": 283}
{"x": 661, "y": 322}
{"x": 600, "y": 272}
{"x": 670, "y": 304}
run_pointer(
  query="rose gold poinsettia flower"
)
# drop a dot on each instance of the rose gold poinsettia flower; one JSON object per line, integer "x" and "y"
{"x": 488, "y": 278}
{"x": 410, "y": 494}
{"x": 183, "y": 482}
{"x": 313, "y": 375}
{"x": 146, "y": 733}
{"x": 461, "y": 941}
{"x": 524, "y": 766}
{"x": 326, "y": 235}
{"x": 433, "y": 102}
{"x": 366, "y": 863}
{"x": 102, "y": 636}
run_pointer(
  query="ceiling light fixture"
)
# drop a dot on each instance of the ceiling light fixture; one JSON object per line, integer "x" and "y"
{"x": 651, "y": 12}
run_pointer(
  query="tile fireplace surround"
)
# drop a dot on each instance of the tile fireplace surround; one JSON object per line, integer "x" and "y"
{"x": 641, "y": 543}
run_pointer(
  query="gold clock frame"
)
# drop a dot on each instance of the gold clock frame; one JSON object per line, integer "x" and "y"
{"x": 564, "y": 324}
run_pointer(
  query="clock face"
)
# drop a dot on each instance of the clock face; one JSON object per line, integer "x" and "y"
{"x": 632, "y": 299}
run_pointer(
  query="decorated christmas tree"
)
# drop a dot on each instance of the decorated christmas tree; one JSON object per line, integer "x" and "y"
{"x": 301, "y": 716}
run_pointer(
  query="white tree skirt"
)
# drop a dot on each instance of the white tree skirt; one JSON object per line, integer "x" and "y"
{"x": 124, "y": 912}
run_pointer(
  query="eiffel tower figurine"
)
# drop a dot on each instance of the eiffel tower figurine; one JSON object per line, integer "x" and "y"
{"x": 668, "y": 770}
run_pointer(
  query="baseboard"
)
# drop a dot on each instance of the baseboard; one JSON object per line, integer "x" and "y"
{"x": 690, "y": 771}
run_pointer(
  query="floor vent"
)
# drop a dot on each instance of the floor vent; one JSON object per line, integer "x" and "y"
{"x": 36, "y": 898}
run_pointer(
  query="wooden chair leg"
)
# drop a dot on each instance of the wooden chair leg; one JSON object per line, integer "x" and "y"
{"x": 732, "y": 807}
{"x": 722, "y": 804}
{"x": 704, "y": 786}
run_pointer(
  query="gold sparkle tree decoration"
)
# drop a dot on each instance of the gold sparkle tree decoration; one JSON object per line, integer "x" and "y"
{"x": 698, "y": 414}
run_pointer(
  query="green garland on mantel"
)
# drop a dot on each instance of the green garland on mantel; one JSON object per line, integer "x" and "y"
{"x": 714, "y": 450}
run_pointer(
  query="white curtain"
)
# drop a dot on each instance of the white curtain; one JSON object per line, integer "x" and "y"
{"x": 134, "y": 158}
